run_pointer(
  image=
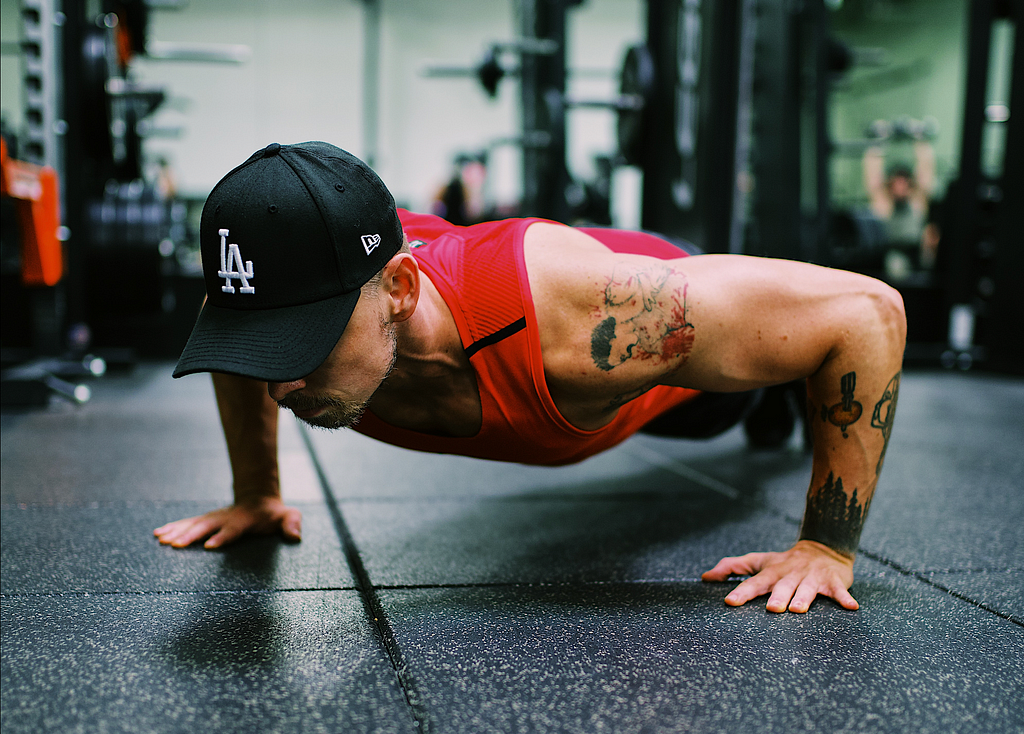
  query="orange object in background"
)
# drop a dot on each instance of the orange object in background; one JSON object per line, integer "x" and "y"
{"x": 36, "y": 192}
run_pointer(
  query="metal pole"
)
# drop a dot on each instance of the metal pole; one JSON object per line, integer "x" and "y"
{"x": 1006, "y": 330}
{"x": 960, "y": 281}
{"x": 823, "y": 148}
{"x": 371, "y": 80}
{"x": 744, "y": 110}
{"x": 42, "y": 26}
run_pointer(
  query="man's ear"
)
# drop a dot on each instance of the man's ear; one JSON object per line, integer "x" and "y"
{"x": 400, "y": 283}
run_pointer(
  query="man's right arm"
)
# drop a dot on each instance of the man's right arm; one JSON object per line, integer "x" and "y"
{"x": 249, "y": 418}
{"x": 874, "y": 182}
{"x": 924, "y": 168}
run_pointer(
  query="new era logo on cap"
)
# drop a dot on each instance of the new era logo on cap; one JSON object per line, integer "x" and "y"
{"x": 370, "y": 242}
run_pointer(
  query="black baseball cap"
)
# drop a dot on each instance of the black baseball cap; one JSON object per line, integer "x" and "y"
{"x": 288, "y": 239}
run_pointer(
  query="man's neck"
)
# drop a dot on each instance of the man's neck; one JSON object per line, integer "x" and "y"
{"x": 432, "y": 388}
{"x": 428, "y": 341}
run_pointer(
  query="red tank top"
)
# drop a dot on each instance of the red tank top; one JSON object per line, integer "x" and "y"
{"x": 480, "y": 272}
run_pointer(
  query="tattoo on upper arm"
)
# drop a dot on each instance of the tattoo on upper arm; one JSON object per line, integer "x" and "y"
{"x": 884, "y": 415}
{"x": 644, "y": 318}
{"x": 833, "y": 518}
{"x": 847, "y": 411}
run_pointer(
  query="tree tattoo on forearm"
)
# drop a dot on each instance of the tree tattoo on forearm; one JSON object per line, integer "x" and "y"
{"x": 847, "y": 411}
{"x": 833, "y": 518}
{"x": 645, "y": 318}
{"x": 884, "y": 414}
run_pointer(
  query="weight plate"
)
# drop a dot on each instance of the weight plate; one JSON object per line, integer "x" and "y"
{"x": 637, "y": 79}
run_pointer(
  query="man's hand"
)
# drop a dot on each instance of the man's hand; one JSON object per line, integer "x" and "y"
{"x": 794, "y": 578}
{"x": 266, "y": 515}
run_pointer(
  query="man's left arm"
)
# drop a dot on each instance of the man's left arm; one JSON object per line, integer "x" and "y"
{"x": 756, "y": 322}
{"x": 728, "y": 323}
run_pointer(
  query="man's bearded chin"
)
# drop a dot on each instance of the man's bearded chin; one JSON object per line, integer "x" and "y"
{"x": 337, "y": 413}
{"x": 340, "y": 413}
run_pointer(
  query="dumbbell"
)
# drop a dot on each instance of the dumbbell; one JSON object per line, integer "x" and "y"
{"x": 903, "y": 128}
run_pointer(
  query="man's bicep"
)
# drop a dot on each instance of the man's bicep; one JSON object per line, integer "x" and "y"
{"x": 758, "y": 321}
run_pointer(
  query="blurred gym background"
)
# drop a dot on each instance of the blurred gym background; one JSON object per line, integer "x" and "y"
{"x": 871, "y": 135}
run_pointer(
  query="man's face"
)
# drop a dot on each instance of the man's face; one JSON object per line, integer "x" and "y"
{"x": 338, "y": 391}
{"x": 899, "y": 187}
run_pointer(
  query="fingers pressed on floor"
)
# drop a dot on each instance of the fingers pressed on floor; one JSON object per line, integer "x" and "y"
{"x": 749, "y": 589}
{"x": 781, "y": 596}
{"x": 223, "y": 536}
{"x": 735, "y": 566}
{"x": 844, "y": 597}
{"x": 198, "y": 529}
{"x": 803, "y": 598}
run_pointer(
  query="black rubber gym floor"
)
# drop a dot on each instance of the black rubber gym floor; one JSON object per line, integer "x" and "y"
{"x": 444, "y": 594}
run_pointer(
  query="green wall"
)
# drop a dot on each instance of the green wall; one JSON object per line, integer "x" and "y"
{"x": 923, "y": 43}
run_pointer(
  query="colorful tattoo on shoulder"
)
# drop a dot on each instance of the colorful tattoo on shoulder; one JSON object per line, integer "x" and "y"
{"x": 885, "y": 414}
{"x": 644, "y": 318}
{"x": 833, "y": 518}
{"x": 847, "y": 411}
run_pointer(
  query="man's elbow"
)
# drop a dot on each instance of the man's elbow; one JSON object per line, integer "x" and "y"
{"x": 888, "y": 315}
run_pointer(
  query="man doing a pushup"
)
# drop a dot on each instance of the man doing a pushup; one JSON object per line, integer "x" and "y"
{"x": 525, "y": 341}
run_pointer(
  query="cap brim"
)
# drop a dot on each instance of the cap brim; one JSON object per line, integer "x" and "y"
{"x": 276, "y": 345}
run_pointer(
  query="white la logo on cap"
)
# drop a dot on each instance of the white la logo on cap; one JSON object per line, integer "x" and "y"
{"x": 370, "y": 242}
{"x": 231, "y": 266}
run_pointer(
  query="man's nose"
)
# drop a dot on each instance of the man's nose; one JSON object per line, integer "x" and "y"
{"x": 278, "y": 390}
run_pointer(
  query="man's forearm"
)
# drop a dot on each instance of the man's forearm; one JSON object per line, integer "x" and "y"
{"x": 851, "y": 407}
{"x": 851, "y": 429}
{"x": 249, "y": 418}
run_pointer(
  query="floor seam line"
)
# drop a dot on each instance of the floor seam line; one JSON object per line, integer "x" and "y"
{"x": 533, "y": 584}
{"x": 173, "y": 592}
{"x": 920, "y": 576}
{"x": 371, "y": 602}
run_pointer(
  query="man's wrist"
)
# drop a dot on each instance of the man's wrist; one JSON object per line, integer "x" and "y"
{"x": 832, "y": 517}
{"x": 843, "y": 554}
{"x": 255, "y": 496}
